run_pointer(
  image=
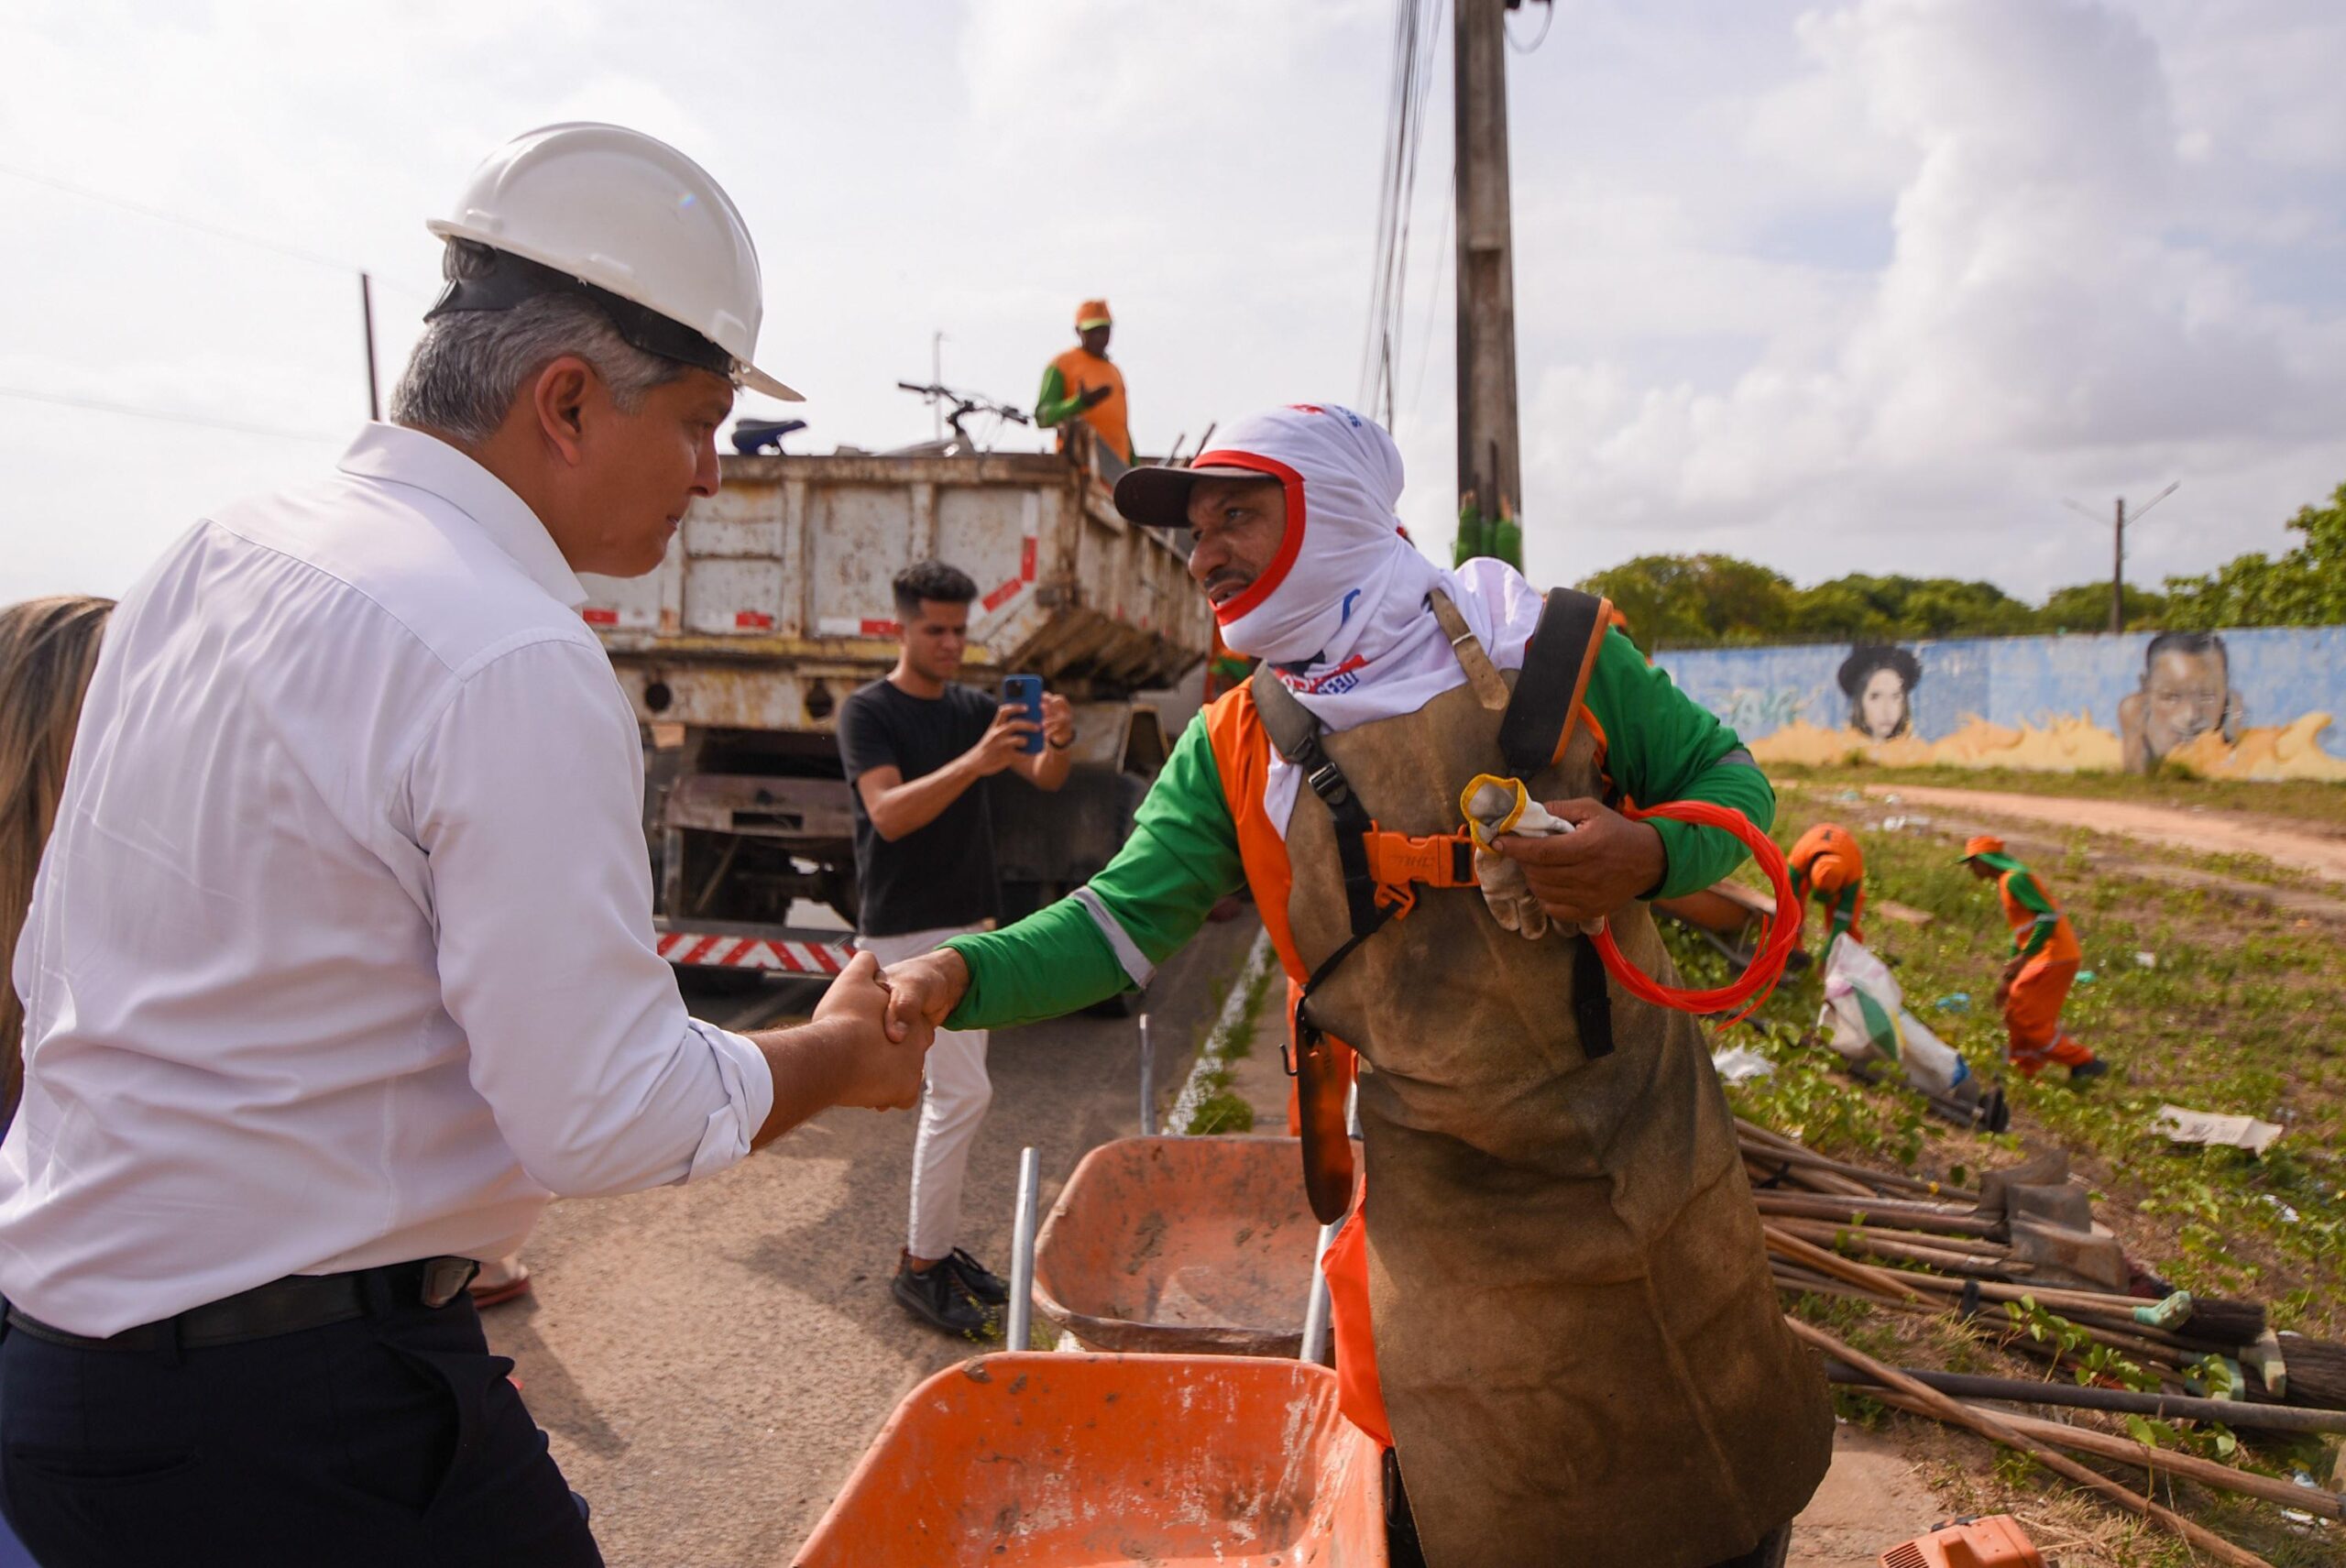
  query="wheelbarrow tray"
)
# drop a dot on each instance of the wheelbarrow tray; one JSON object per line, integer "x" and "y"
{"x": 1181, "y": 1246}
{"x": 1067, "y": 1461}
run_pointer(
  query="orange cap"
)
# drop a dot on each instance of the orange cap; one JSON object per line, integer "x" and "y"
{"x": 1985, "y": 844}
{"x": 1092, "y": 314}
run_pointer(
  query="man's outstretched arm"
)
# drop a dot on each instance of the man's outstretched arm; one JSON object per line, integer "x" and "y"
{"x": 852, "y": 1053}
{"x": 1109, "y": 934}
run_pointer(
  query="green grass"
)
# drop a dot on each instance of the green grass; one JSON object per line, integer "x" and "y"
{"x": 2244, "y": 1011}
{"x": 2303, "y": 799}
{"x": 1221, "y": 1110}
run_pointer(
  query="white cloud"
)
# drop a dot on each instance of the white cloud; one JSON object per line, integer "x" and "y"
{"x": 1870, "y": 285}
{"x": 2037, "y": 329}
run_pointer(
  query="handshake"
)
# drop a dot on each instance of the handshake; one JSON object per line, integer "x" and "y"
{"x": 877, "y": 1025}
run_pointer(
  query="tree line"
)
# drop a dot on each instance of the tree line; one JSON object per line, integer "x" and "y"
{"x": 1708, "y": 600}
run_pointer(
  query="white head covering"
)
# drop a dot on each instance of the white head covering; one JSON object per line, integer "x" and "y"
{"x": 1345, "y": 581}
{"x": 1341, "y": 612}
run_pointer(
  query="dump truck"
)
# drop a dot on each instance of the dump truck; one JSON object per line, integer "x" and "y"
{"x": 773, "y": 604}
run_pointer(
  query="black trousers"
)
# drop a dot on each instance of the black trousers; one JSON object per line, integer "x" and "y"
{"x": 392, "y": 1440}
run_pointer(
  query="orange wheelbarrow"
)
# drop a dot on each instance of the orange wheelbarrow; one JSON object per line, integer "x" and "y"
{"x": 1068, "y": 1461}
{"x": 1181, "y": 1246}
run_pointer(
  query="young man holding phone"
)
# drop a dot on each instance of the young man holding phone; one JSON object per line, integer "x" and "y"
{"x": 919, "y": 748}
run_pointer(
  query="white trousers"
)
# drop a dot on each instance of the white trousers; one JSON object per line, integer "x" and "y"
{"x": 953, "y": 1105}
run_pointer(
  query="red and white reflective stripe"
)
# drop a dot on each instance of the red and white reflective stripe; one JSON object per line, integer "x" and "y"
{"x": 1028, "y": 550}
{"x": 755, "y": 952}
{"x": 848, "y": 626}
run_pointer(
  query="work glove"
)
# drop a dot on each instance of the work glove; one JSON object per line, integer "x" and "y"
{"x": 1493, "y": 805}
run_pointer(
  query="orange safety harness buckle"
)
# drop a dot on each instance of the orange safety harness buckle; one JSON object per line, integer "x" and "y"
{"x": 1399, "y": 861}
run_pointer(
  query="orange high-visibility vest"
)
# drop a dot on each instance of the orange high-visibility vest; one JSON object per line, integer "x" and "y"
{"x": 1083, "y": 370}
{"x": 2062, "y": 948}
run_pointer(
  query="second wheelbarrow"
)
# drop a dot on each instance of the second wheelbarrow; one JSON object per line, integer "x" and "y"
{"x": 1181, "y": 1246}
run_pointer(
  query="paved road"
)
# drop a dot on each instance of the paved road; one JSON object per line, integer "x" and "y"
{"x": 712, "y": 1359}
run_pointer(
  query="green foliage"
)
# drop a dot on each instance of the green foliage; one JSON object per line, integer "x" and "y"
{"x": 1863, "y": 608}
{"x": 2085, "y": 607}
{"x": 1682, "y": 601}
{"x": 1712, "y": 600}
{"x": 1221, "y": 1111}
{"x": 2305, "y": 587}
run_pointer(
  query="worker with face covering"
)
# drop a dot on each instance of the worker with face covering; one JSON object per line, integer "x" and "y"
{"x": 1553, "y": 1303}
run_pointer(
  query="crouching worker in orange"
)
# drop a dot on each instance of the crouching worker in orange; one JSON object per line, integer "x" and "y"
{"x": 1554, "y": 1303}
{"x": 2044, "y": 965}
{"x": 1828, "y": 868}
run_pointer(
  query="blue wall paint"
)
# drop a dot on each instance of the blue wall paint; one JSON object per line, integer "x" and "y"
{"x": 2281, "y": 673}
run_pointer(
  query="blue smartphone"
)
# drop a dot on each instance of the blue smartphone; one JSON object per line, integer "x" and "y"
{"x": 1026, "y": 692}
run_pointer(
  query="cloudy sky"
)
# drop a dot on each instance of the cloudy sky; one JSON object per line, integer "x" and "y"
{"x": 1869, "y": 286}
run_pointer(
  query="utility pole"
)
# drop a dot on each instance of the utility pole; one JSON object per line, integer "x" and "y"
{"x": 2117, "y": 549}
{"x": 1490, "y": 472}
{"x": 367, "y": 322}
{"x": 2118, "y": 569}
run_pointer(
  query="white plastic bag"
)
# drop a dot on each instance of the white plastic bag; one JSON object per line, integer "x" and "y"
{"x": 1870, "y": 1021}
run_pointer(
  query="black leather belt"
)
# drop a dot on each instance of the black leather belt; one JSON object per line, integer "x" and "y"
{"x": 283, "y": 1306}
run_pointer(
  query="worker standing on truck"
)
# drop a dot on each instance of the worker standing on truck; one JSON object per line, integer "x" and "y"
{"x": 1084, "y": 382}
{"x": 920, "y": 750}
{"x": 340, "y": 960}
{"x": 2036, "y": 978}
{"x": 1828, "y": 868}
{"x": 1554, "y": 1304}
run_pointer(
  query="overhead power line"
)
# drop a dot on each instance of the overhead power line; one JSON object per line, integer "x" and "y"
{"x": 1416, "y": 33}
{"x": 201, "y": 225}
{"x": 169, "y": 416}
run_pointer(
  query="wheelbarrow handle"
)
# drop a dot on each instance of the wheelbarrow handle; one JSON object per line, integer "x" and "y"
{"x": 1147, "y": 1080}
{"x": 1019, "y": 1326}
{"x": 1317, "y": 1329}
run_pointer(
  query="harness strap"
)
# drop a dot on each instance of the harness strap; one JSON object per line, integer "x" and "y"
{"x": 1537, "y": 726}
{"x": 1490, "y": 688}
{"x": 1557, "y": 663}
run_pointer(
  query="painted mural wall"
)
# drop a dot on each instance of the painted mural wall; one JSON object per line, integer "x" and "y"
{"x": 2237, "y": 705}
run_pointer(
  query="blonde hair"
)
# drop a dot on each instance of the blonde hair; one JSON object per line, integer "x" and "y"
{"x": 47, "y": 649}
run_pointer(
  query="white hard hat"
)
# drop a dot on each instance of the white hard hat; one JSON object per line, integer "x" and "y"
{"x": 625, "y": 216}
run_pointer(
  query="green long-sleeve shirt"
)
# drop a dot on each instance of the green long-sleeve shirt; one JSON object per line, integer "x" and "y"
{"x": 1182, "y": 857}
{"x": 2030, "y": 895}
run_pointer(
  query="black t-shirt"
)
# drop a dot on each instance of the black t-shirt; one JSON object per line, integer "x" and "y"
{"x": 942, "y": 875}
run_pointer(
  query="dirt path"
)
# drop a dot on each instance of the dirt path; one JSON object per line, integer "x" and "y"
{"x": 2201, "y": 832}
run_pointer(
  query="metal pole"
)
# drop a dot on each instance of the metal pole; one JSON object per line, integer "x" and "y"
{"x": 2118, "y": 570}
{"x": 1147, "y": 1080}
{"x": 1486, "y": 392}
{"x": 1020, "y": 1326}
{"x": 1317, "y": 1333}
{"x": 367, "y": 322}
{"x": 937, "y": 378}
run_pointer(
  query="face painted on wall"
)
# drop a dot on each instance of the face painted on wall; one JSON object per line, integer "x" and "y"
{"x": 2187, "y": 693}
{"x": 1882, "y": 707}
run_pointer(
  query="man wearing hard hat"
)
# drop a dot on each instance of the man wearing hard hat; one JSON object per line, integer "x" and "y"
{"x": 340, "y": 961}
{"x": 1083, "y": 382}
{"x": 1554, "y": 1304}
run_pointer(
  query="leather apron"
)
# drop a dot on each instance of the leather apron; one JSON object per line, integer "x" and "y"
{"x": 1576, "y": 1331}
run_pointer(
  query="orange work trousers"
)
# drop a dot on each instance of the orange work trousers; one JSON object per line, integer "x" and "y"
{"x": 2033, "y": 1032}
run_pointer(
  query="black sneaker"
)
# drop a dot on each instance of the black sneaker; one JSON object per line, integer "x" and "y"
{"x": 2087, "y": 1071}
{"x": 981, "y": 1281}
{"x": 937, "y": 1296}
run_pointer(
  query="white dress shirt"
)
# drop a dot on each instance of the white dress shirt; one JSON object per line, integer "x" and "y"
{"x": 341, "y": 953}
